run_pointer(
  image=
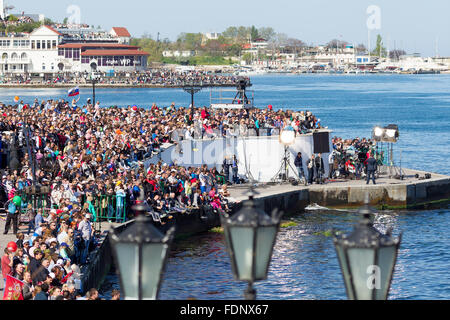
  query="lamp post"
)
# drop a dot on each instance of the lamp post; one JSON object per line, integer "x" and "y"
{"x": 94, "y": 79}
{"x": 250, "y": 236}
{"x": 192, "y": 89}
{"x": 141, "y": 253}
{"x": 367, "y": 259}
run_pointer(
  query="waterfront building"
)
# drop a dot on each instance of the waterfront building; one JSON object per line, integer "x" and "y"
{"x": 29, "y": 53}
{"x": 366, "y": 62}
{"x": 79, "y": 57}
{"x": 46, "y": 52}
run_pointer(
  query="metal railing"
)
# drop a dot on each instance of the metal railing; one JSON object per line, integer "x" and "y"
{"x": 107, "y": 207}
{"x": 103, "y": 208}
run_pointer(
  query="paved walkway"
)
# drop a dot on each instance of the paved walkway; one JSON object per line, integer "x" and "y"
{"x": 239, "y": 192}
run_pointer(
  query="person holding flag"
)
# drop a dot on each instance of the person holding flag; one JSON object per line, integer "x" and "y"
{"x": 13, "y": 289}
{"x": 73, "y": 93}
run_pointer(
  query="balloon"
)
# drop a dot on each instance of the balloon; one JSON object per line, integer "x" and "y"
{"x": 12, "y": 247}
{"x": 16, "y": 99}
{"x": 17, "y": 200}
{"x": 135, "y": 108}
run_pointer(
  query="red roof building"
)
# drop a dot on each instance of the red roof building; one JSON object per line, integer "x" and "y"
{"x": 104, "y": 55}
{"x": 121, "y": 32}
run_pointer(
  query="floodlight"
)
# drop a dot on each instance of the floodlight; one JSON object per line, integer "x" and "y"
{"x": 287, "y": 136}
{"x": 378, "y": 132}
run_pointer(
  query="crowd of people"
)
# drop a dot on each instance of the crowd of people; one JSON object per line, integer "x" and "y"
{"x": 349, "y": 158}
{"x": 156, "y": 77}
{"x": 44, "y": 268}
{"x": 88, "y": 152}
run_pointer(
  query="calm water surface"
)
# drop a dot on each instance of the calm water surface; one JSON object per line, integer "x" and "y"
{"x": 304, "y": 264}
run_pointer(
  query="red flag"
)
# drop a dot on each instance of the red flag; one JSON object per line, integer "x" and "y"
{"x": 13, "y": 289}
{"x": 66, "y": 278}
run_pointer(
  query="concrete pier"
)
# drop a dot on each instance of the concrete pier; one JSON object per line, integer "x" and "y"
{"x": 388, "y": 193}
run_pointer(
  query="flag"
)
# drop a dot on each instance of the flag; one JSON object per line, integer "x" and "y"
{"x": 74, "y": 92}
{"x": 13, "y": 289}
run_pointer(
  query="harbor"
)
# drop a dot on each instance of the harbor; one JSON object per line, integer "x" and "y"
{"x": 415, "y": 191}
{"x": 388, "y": 194}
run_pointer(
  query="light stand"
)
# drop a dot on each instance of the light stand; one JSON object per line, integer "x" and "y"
{"x": 389, "y": 135}
{"x": 287, "y": 138}
{"x": 282, "y": 175}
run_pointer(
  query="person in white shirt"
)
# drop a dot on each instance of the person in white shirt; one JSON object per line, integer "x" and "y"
{"x": 87, "y": 231}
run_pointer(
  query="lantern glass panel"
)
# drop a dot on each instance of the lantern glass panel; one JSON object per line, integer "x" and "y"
{"x": 265, "y": 240}
{"x": 361, "y": 261}
{"x": 153, "y": 257}
{"x": 345, "y": 271}
{"x": 128, "y": 260}
{"x": 243, "y": 243}
{"x": 386, "y": 260}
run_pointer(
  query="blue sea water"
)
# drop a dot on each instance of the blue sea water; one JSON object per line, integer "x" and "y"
{"x": 304, "y": 264}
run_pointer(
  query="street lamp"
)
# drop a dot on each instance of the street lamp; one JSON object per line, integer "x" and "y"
{"x": 192, "y": 89}
{"x": 141, "y": 253}
{"x": 367, "y": 259}
{"x": 94, "y": 78}
{"x": 250, "y": 236}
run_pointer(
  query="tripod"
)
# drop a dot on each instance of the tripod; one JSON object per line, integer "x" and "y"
{"x": 394, "y": 171}
{"x": 283, "y": 174}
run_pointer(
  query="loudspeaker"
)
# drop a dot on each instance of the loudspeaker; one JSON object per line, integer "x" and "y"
{"x": 321, "y": 142}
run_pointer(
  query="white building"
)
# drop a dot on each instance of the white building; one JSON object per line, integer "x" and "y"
{"x": 30, "y": 53}
{"x": 209, "y": 36}
{"x": 43, "y": 53}
{"x": 122, "y": 34}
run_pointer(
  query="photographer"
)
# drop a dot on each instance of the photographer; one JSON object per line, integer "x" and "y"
{"x": 320, "y": 169}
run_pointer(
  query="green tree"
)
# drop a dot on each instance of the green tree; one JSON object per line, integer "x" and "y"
{"x": 48, "y": 22}
{"x": 254, "y": 33}
{"x": 379, "y": 49}
{"x": 151, "y": 46}
{"x": 243, "y": 34}
{"x": 190, "y": 41}
{"x": 230, "y": 33}
{"x": 234, "y": 50}
{"x": 267, "y": 33}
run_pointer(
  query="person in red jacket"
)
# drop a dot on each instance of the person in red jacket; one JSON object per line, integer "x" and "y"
{"x": 7, "y": 263}
{"x": 205, "y": 114}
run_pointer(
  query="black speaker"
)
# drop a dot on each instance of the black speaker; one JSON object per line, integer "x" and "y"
{"x": 321, "y": 142}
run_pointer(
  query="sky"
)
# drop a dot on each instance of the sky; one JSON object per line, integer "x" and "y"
{"x": 415, "y": 26}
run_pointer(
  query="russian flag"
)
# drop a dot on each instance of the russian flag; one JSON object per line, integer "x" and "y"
{"x": 74, "y": 92}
